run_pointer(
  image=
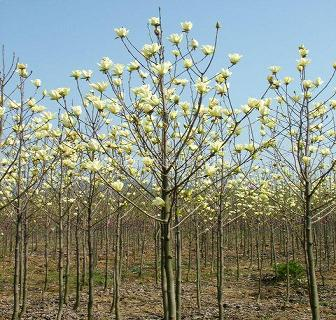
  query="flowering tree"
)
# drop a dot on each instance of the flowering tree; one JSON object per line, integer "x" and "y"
{"x": 25, "y": 160}
{"x": 158, "y": 146}
{"x": 157, "y": 126}
{"x": 305, "y": 135}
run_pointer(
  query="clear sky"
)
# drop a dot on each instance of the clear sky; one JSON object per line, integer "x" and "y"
{"x": 56, "y": 36}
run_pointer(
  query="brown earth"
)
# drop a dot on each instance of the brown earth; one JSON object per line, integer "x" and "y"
{"x": 141, "y": 299}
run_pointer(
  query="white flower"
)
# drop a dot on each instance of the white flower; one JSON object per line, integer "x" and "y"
{"x": 93, "y": 166}
{"x": 99, "y": 86}
{"x": 306, "y": 160}
{"x": 23, "y": 73}
{"x": 175, "y": 38}
{"x": 187, "y": 63}
{"x": 303, "y": 51}
{"x": 235, "y": 57}
{"x": 105, "y": 64}
{"x": 208, "y": 49}
{"x": 287, "y": 80}
{"x": 210, "y": 170}
{"x": 325, "y": 152}
{"x": 114, "y": 107}
{"x": 162, "y": 68}
{"x": 216, "y": 146}
{"x": 117, "y": 185}
{"x": 86, "y": 74}
{"x": 154, "y": 21}
{"x": 93, "y": 145}
{"x": 333, "y": 103}
{"x": 77, "y": 110}
{"x": 202, "y": 86}
{"x": 239, "y": 148}
{"x": 225, "y": 73}
{"x": 63, "y": 91}
{"x": 142, "y": 74}
{"x": 67, "y": 121}
{"x": 193, "y": 44}
{"x": 147, "y": 161}
{"x": 36, "y": 83}
{"x": 118, "y": 69}
{"x": 245, "y": 108}
{"x": 215, "y": 111}
{"x": 148, "y": 50}
{"x": 307, "y": 84}
{"x": 76, "y": 74}
{"x": 99, "y": 104}
{"x": 121, "y": 32}
{"x": 21, "y": 66}
{"x": 54, "y": 95}
{"x": 117, "y": 82}
{"x": 302, "y": 63}
{"x": 263, "y": 108}
{"x": 318, "y": 81}
{"x": 186, "y": 26}
{"x": 158, "y": 202}
{"x": 69, "y": 163}
{"x": 274, "y": 69}
{"x": 133, "y": 66}
{"x": 48, "y": 116}
{"x": 250, "y": 147}
{"x": 222, "y": 90}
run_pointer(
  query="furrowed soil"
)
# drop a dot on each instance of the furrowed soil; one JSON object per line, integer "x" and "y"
{"x": 141, "y": 296}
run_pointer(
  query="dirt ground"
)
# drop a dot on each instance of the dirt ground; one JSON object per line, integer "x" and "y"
{"x": 141, "y": 299}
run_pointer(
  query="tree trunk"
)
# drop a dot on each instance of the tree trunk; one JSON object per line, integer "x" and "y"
{"x": 91, "y": 264}
{"x": 16, "y": 279}
{"x": 314, "y": 298}
{"x": 67, "y": 262}
{"x": 178, "y": 266}
{"x": 60, "y": 269}
{"x": 116, "y": 287}
{"x": 78, "y": 286}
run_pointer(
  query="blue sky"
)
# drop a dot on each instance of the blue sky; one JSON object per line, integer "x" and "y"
{"x": 55, "y": 37}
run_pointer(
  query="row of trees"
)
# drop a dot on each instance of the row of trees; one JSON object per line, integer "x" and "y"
{"x": 160, "y": 143}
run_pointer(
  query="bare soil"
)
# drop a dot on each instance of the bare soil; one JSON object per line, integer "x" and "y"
{"x": 141, "y": 297}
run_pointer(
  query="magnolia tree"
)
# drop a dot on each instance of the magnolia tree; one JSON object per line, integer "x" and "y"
{"x": 158, "y": 143}
{"x": 25, "y": 160}
{"x": 162, "y": 122}
{"x": 303, "y": 155}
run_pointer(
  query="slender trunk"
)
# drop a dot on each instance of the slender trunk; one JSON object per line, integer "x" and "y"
{"x": 178, "y": 264}
{"x": 237, "y": 254}
{"x": 24, "y": 266}
{"x": 168, "y": 265}
{"x": 16, "y": 288}
{"x": 163, "y": 277}
{"x": 314, "y": 298}
{"x": 189, "y": 255}
{"x": 287, "y": 262}
{"x": 220, "y": 255}
{"x": 67, "y": 261}
{"x": 60, "y": 268}
{"x": 46, "y": 256}
{"x": 91, "y": 264}
{"x": 106, "y": 252}
{"x": 116, "y": 288}
{"x": 142, "y": 250}
{"x": 78, "y": 286}
{"x": 156, "y": 251}
{"x": 274, "y": 255}
{"x": 259, "y": 261}
{"x": 21, "y": 260}
{"x": 198, "y": 267}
